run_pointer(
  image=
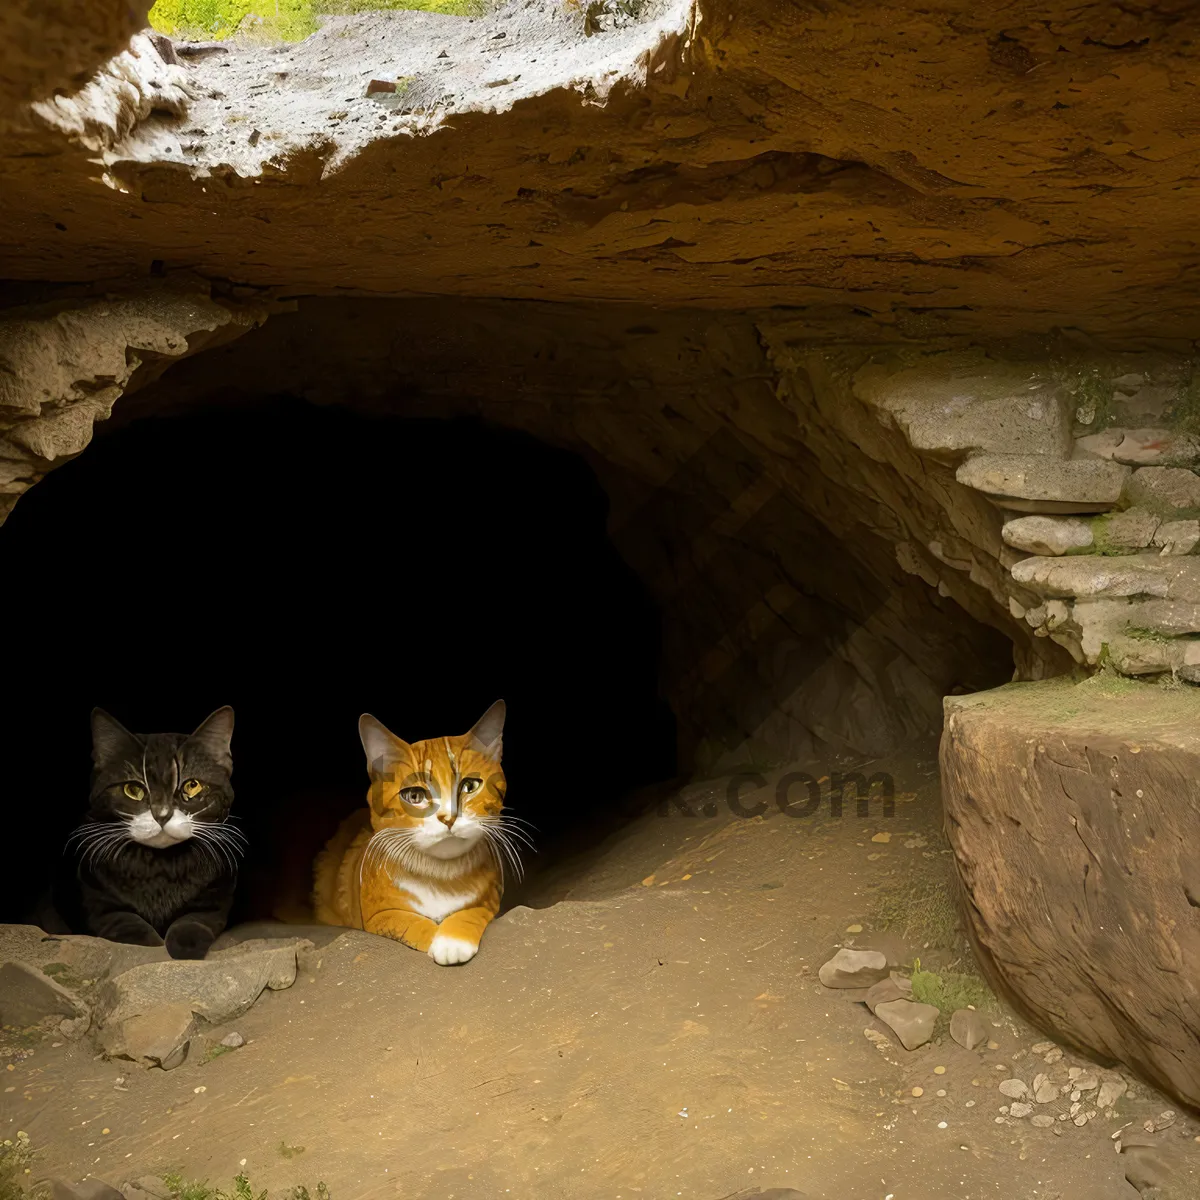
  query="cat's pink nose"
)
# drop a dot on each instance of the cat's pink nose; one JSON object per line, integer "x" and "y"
{"x": 448, "y": 819}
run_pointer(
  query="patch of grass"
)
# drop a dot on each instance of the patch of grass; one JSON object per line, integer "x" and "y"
{"x": 1140, "y": 634}
{"x": 921, "y": 906}
{"x": 216, "y": 1052}
{"x": 16, "y": 1163}
{"x": 242, "y": 1189}
{"x": 949, "y": 991}
{"x": 286, "y": 1151}
{"x": 279, "y": 20}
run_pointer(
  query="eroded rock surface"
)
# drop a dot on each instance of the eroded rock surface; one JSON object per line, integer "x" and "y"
{"x": 64, "y": 365}
{"x": 1074, "y": 813}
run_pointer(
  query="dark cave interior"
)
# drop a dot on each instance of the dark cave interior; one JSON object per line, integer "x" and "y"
{"x": 224, "y": 561}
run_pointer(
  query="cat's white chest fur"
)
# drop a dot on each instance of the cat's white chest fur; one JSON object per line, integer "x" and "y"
{"x": 435, "y": 900}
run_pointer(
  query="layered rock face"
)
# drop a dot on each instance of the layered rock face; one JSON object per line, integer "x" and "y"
{"x": 1074, "y": 812}
{"x": 64, "y": 365}
{"x": 1090, "y": 463}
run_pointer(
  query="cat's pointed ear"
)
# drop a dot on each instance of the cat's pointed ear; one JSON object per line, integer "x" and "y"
{"x": 487, "y": 734}
{"x": 214, "y": 735}
{"x": 110, "y": 739}
{"x": 382, "y": 747}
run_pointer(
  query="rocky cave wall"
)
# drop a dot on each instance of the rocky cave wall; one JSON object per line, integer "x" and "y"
{"x": 852, "y": 220}
{"x": 837, "y": 535}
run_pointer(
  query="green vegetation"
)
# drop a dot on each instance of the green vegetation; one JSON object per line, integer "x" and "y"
{"x": 920, "y": 905}
{"x": 950, "y": 990}
{"x": 278, "y": 20}
{"x": 286, "y": 1151}
{"x": 216, "y": 1052}
{"x": 182, "y": 1189}
{"x": 1091, "y": 393}
{"x": 16, "y": 1163}
{"x": 1140, "y": 634}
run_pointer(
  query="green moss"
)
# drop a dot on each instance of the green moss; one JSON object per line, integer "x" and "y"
{"x": 949, "y": 991}
{"x": 1141, "y": 634}
{"x": 216, "y": 1052}
{"x": 278, "y": 20}
{"x": 1091, "y": 392}
{"x": 281, "y": 20}
{"x": 182, "y": 1189}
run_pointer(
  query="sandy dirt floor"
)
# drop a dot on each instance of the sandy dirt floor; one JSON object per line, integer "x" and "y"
{"x": 646, "y": 1023}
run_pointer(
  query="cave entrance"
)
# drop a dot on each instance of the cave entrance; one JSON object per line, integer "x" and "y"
{"x": 304, "y": 565}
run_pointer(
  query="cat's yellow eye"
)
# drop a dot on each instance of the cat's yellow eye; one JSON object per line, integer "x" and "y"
{"x": 192, "y": 787}
{"x": 468, "y": 786}
{"x": 135, "y": 791}
{"x": 415, "y": 797}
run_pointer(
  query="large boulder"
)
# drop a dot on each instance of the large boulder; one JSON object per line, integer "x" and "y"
{"x": 1074, "y": 814}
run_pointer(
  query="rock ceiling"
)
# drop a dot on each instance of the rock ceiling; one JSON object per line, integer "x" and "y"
{"x": 931, "y": 166}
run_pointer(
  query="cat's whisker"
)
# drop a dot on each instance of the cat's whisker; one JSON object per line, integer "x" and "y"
{"x": 503, "y": 851}
{"x": 512, "y": 819}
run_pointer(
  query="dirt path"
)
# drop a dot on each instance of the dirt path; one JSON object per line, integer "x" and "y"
{"x": 659, "y": 1032}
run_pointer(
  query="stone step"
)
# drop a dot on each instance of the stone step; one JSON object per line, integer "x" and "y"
{"x": 1171, "y": 492}
{"x": 1037, "y": 483}
{"x": 1087, "y": 575}
{"x": 1143, "y": 447}
{"x": 964, "y": 401}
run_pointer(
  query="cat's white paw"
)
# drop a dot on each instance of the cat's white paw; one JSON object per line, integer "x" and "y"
{"x": 448, "y": 951}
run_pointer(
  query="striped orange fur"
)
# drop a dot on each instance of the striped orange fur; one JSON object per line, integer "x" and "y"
{"x": 424, "y": 863}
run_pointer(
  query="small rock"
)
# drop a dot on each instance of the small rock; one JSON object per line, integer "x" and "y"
{"x": 1178, "y": 537}
{"x": 1111, "y": 1090}
{"x": 1054, "y": 1056}
{"x": 1019, "y": 1109}
{"x": 1043, "y": 1047}
{"x": 1147, "y": 1162}
{"x": 1163, "y": 1121}
{"x": 1164, "y": 490}
{"x": 854, "y": 969}
{"x": 1142, "y": 447}
{"x": 156, "y": 1038}
{"x": 1081, "y": 484}
{"x": 28, "y": 997}
{"x": 912, "y": 1023}
{"x": 1129, "y": 531}
{"x": 1014, "y": 1089}
{"x": 1086, "y": 1081}
{"x": 1081, "y": 1120}
{"x": 968, "y": 1028}
{"x": 378, "y": 86}
{"x": 218, "y": 988}
{"x": 1042, "y": 1121}
{"x": 233, "y": 1040}
{"x": 887, "y": 990}
{"x": 1047, "y": 535}
{"x": 1045, "y": 1092}
{"x": 88, "y": 1189}
{"x": 882, "y": 837}
{"x": 74, "y": 1028}
{"x": 147, "y": 1185}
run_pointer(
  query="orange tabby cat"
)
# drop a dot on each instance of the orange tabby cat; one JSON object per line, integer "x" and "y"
{"x": 425, "y": 863}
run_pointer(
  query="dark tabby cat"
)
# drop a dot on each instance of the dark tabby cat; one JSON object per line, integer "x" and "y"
{"x": 157, "y": 860}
